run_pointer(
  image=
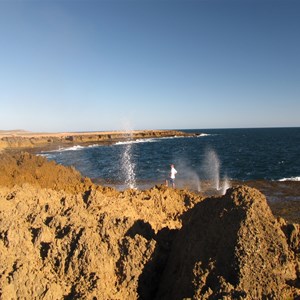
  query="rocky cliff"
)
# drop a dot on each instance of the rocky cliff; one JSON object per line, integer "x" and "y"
{"x": 23, "y": 139}
{"x": 62, "y": 237}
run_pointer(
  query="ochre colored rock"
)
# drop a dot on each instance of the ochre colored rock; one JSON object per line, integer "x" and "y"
{"x": 232, "y": 248}
{"x": 18, "y": 139}
{"x": 62, "y": 237}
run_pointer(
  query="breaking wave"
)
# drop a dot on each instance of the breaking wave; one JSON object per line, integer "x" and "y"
{"x": 297, "y": 178}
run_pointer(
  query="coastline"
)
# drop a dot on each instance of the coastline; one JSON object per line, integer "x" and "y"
{"x": 82, "y": 240}
{"x": 282, "y": 197}
{"x": 20, "y": 139}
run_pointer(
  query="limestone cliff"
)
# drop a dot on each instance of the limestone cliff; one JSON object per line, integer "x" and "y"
{"x": 26, "y": 140}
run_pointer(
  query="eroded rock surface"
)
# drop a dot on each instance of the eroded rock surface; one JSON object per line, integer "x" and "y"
{"x": 62, "y": 237}
{"x": 20, "y": 139}
{"x": 232, "y": 247}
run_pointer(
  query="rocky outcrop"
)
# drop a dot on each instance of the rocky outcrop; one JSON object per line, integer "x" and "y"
{"x": 233, "y": 248}
{"x": 62, "y": 237}
{"x": 20, "y": 168}
{"x": 23, "y": 139}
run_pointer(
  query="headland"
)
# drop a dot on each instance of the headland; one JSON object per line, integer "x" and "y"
{"x": 20, "y": 139}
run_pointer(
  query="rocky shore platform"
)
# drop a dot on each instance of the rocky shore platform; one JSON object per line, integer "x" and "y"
{"x": 16, "y": 139}
{"x": 63, "y": 237}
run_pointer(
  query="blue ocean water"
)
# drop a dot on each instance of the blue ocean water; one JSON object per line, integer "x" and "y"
{"x": 216, "y": 154}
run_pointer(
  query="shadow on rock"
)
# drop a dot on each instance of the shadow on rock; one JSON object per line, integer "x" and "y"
{"x": 155, "y": 248}
{"x": 232, "y": 247}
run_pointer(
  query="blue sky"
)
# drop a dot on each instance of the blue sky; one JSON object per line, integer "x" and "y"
{"x": 101, "y": 65}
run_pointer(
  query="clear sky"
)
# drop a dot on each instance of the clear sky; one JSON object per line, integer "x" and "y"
{"x": 85, "y": 65}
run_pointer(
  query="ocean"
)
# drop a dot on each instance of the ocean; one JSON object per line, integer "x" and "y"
{"x": 213, "y": 160}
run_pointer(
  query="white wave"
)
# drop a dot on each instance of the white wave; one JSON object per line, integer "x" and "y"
{"x": 151, "y": 140}
{"x": 92, "y": 146}
{"x": 171, "y": 137}
{"x": 203, "y": 134}
{"x": 136, "y": 141}
{"x": 297, "y": 178}
{"x": 45, "y": 155}
{"x": 73, "y": 148}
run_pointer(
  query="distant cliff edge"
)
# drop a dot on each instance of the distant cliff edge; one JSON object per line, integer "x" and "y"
{"x": 16, "y": 139}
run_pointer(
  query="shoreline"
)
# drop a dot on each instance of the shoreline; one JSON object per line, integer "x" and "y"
{"x": 19, "y": 139}
{"x": 87, "y": 241}
{"x": 282, "y": 196}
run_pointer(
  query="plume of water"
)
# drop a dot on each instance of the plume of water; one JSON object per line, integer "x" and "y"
{"x": 198, "y": 182}
{"x": 211, "y": 168}
{"x": 225, "y": 185}
{"x": 191, "y": 178}
{"x": 128, "y": 165}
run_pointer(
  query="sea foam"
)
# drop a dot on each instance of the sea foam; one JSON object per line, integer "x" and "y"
{"x": 136, "y": 141}
{"x": 297, "y": 178}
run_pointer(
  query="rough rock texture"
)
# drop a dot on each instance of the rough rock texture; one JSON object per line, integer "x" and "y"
{"x": 233, "y": 248}
{"x": 61, "y": 237}
{"x": 19, "y": 168}
{"x": 17, "y": 139}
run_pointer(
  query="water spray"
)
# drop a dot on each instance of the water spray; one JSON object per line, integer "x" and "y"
{"x": 211, "y": 169}
{"x": 225, "y": 185}
{"x": 128, "y": 166}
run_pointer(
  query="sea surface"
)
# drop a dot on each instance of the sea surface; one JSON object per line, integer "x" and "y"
{"x": 213, "y": 160}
